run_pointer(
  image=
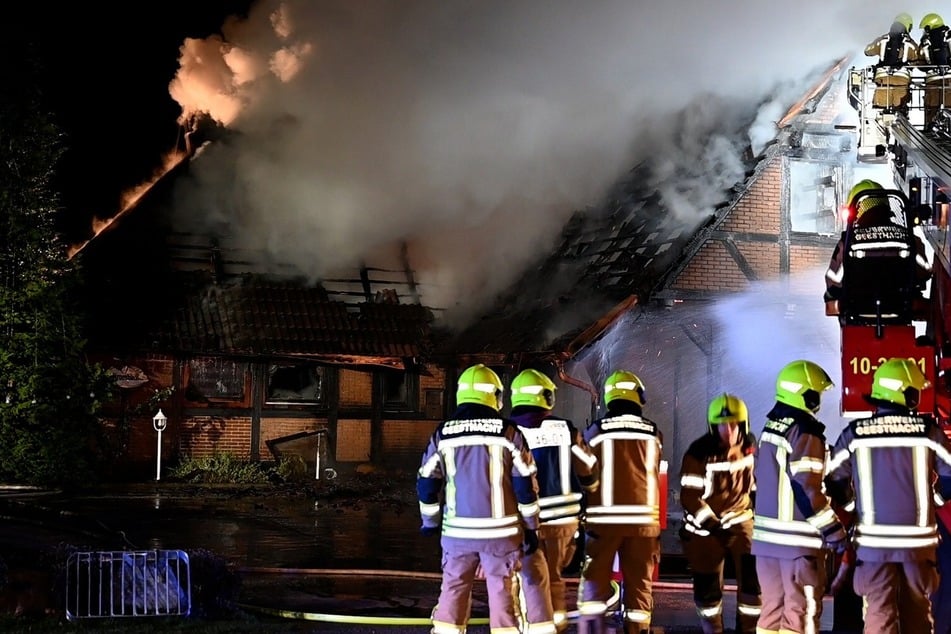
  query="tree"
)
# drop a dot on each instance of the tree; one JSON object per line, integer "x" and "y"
{"x": 49, "y": 394}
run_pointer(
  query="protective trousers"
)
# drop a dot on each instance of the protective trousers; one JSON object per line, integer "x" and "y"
{"x": 535, "y": 592}
{"x": 707, "y": 556}
{"x": 637, "y": 557}
{"x": 451, "y": 614}
{"x": 891, "y": 89}
{"x": 558, "y": 544}
{"x": 792, "y": 592}
{"x": 897, "y": 595}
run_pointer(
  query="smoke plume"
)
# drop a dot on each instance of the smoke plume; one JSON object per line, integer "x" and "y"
{"x": 471, "y": 131}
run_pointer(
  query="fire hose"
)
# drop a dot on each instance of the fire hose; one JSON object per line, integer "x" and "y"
{"x": 355, "y": 619}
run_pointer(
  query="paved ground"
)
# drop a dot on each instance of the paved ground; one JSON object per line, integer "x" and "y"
{"x": 355, "y": 601}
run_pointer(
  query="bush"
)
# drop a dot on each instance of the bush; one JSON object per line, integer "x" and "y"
{"x": 223, "y": 468}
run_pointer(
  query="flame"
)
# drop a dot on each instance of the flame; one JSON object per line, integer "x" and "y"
{"x": 131, "y": 197}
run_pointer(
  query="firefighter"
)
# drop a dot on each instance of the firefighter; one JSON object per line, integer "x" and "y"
{"x": 869, "y": 213}
{"x": 566, "y": 468}
{"x": 477, "y": 479}
{"x": 793, "y": 522}
{"x": 891, "y": 461}
{"x": 895, "y": 50}
{"x": 934, "y": 53}
{"x": 716, "y": 492}
{"x": 623, "y": 515}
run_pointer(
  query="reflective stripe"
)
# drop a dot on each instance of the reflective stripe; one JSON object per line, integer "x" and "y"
{"x": 696, "y": 530}
{"x": 729, "y": 519}
{"x": 545, "y": 627}
{"x": 710, "y": 611}
{"x": 624, "y": 519}
{"x": 748, "y": 610}
{"x": 904, "y": 531}
{"x": 746, "y": 462}
{"x": 440, "y": 627}
{"x": 776, "y": 439}
{"x": 702, "y": 515}
{"x": 797, "y": 526}
{"x": 479, "y": 533}
{"x": 786, "y": 539}
{"x": 589, "y": 608}
{"x": 429, "y": 510}
{"x": 812, "y": 608}
{"x": 688, "y": 481}
{"x": 896, "y": 542}
{"x": 528, "y": 510}
{"x": 584, "y": 456}
{"x": 482, "y": 522}
{"x": 809, "y": 464}
{"x": 835, "y": 276}
{"x": 427, "y": 468}
{"x": 823, "y": 519}
{"x": 637, "y": 616}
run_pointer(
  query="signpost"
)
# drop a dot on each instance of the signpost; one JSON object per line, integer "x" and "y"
{"x": 159, "y": 421}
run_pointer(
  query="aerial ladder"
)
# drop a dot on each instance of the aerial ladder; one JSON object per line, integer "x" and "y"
{"x": 918, "y": 153}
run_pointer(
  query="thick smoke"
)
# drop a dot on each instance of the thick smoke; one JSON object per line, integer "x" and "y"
{"x": 471, "y": 131}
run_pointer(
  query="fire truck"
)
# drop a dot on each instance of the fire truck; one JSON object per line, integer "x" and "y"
{"x": 882, "y": 313}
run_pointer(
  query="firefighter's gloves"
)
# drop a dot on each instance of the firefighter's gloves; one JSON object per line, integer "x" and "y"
{"x": 429, "y": 531}
{"x": 836, "y": 539}
{"x": 712, "y": 525}
{"x": 530, "y": 542}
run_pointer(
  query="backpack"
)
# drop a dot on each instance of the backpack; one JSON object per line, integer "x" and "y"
{"x": 938, "y": 46}
{"x": 894, "y": 49}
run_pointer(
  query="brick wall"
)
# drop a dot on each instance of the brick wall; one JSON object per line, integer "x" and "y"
{"x": 272, "y": 428}
{"x": 763, "y": 258}
{"x": 203, "y": 436}
{"x": 711, "y": 269}
{"x": 434, "y": 382}
{"x": 804, "y": 258}
{"x": 353, "y": 440}
{"x": 758, "y": 209}
{"x": 356, "y": 388}
{"x": 404, "y": 441}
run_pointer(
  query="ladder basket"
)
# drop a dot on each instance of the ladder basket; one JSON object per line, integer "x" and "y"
{"x": 118, "y": 583}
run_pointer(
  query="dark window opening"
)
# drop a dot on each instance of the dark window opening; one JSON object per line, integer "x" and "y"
{"x": 295, "y": 383}
{"x": 433, "y": 404}
{"x": 214, "y": 378}
{"x": 400, "y": 391}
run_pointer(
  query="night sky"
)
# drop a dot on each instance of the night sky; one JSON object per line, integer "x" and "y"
{"x": 107, "y": 70}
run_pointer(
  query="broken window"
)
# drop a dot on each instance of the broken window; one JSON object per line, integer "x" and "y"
{"x": 295, "y": 383}
{"x": 215, "y": 378}
{"x": 400, "y": 391}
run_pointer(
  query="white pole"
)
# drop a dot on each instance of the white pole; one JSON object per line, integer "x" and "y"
{"x": 158, "y": 457}
{"x": 317, "y": 459}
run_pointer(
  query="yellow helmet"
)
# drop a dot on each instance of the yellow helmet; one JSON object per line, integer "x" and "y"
{"x": 624, "y": 385}
{"x": 931, "y": 21}
{"x": 905, "y": 20}
{"x": 856, "y": 208}
{"x": 899, "y": 381}
{"x": 531, "y": 387}
{"x": 800, "y": 384}
{"x": 728, "y": 408}
{"x": 480, "y": 384}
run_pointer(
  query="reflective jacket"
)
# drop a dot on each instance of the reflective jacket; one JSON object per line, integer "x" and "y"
{"x": 477, "y": 478}
{"x": 628, "y": 448}
{"x": 891, "y": 461}
{"x": 792, "y": 510}
{"x": 716, "y": 482}
{"x": 906, "y": 49}
{"x": 566, "y": 466}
